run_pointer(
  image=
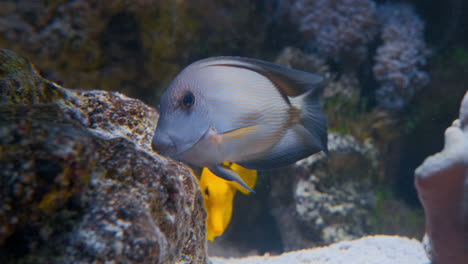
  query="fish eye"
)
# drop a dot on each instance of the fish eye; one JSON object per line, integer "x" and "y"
{"x": 207, "y": 192}
{"x": 188, "y": 99}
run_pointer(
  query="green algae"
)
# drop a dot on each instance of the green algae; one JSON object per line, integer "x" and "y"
{"x": 392, "y": 216}
{"x": 22, "y": 84}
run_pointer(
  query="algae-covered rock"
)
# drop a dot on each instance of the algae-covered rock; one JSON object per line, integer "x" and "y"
{"x": 135, "y": 46}
{"x": 332, "y": 197}
{"x": 315, "y": 202}
{"x": 80, "y": 183}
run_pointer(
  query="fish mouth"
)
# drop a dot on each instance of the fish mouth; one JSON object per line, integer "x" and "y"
{"x": 187, "y": 148}
{"x": 185, "y": 156}
{"x": 163, "y": 143}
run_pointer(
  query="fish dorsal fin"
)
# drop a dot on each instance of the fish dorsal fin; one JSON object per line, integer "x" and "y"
{"x": 289, "y": 82}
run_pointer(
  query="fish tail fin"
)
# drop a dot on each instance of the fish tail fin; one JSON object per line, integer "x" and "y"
{"x": 313, "y": 118}
{"x": 306, "y": 135}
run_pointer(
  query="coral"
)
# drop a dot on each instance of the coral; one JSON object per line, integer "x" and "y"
{"x": 332, "y": 199}
{"x": 399, "y": 59}
{"x": 346, "y": 86}
{"x": 347, "y": 30}
{"x": 336, "y": 27}
{"x": 345, "y": 107}
{"x": 296, "y": 59}
{"x": 80, "y": 183}
{"x": 442, "y": 185}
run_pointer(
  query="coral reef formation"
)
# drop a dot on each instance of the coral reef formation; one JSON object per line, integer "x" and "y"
{"x": 336, "y": 27}
{"x": 134, "y": 47}
{"x": 344, "y": 29}
{"x": 297, "y": 59}
{"x": 318, "y": 201}
{"x": 332, "y": 197}
{"x": 80, "y": 183}
{"x": 442, "y": 184}
{"x": 71, "y": 148}
{"x": 369, "y": 250}
{"x": 346, "y": 86}
{"x": 398, "y": 61}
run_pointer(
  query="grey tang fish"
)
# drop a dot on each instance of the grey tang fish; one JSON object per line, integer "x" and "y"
{"x": 251, "y": 112}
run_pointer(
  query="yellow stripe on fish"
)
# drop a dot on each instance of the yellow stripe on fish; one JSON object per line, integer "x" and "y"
{"x": 219, "y": 197}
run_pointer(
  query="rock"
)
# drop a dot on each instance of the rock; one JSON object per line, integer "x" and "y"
{"x": 315, "y": 202}
{"x": 442, "y": 185}
{"x": 135, "y": 47}
{"x": 369, "y": 250}
{"x": 332, "y": 198}
{"x": 80, "y": 183}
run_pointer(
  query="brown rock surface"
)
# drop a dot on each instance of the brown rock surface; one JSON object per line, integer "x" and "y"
{"x": 80, "y": 183}
{"x": 332, "y": 197}
{"x": 135, "y": 47}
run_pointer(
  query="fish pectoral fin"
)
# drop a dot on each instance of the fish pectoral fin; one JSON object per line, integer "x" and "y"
{"x": 238, "y": 133}
{"x": 249, "y": 176}
{"x": 298, "y": 143}
{"x": 229, "y": 175}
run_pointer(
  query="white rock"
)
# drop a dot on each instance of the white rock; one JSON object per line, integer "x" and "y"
{"x": 366, "y": 250}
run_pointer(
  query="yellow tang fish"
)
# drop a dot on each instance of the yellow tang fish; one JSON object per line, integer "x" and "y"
{"x": 219, "y": 197}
